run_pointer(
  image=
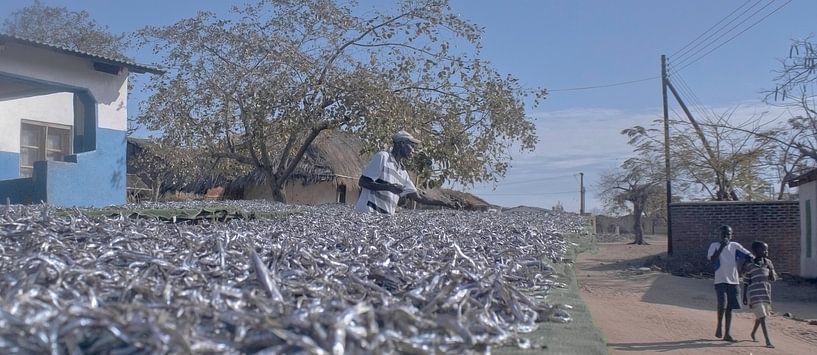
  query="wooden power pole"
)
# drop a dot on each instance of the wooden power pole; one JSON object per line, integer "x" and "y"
{"x": 664, "y": 84}
{"x": 581, "y": 192}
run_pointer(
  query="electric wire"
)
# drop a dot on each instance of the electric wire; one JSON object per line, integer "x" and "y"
{"x": 706, "y": 109}
{"x": 709, "y": 29}
{"x": 683, "y": 91}
{"x": 605, "y": 85}
{"x": 733, "y": 37}
{"x": 526, "y": 193}
{"x": 535, "y": 180}
{"x": 693, "y": 98}
{"x": 719, "y": 32}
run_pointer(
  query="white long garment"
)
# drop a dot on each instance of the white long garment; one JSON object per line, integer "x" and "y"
{"x": 726, "y": 267}
{"x": 384, "y": 168}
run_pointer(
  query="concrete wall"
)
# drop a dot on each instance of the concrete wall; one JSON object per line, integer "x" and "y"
{"x": 97, "y": 175}
{"x": 695, "y": 226}
{"x": 808, "y": 238}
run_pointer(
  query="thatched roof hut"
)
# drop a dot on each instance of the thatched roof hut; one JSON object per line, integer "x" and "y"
{"x": 334, "y": 156}
{"x": 328, "y": 173}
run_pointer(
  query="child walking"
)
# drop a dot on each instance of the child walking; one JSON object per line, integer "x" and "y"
{"x": 758, "y": 286}
{"x": 725, "y": 254}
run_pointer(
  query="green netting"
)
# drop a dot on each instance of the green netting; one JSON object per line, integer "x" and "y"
{"x": 580, "y": 336}
{"x": 194, "y": 215}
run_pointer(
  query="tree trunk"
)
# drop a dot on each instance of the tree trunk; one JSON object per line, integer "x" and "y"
{"x": 279, "y": 178}
{"x": 638, "y": 212}
{"x": 278, "y": 193}
{"x": 277, "y": 185}
{"x": 157, "y": 188}
{"x": 782, "y": 189}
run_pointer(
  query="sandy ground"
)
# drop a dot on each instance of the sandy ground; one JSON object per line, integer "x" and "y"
{"x": 654, "y": 312}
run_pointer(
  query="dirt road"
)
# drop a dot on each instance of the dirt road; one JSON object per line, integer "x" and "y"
{"x": 654, "y": 312}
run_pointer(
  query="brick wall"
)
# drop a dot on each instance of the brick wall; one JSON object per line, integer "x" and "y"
{"x": 695, "y": 226}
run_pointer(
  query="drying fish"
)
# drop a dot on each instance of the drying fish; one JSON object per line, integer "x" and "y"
{"x": 319, "y": 280}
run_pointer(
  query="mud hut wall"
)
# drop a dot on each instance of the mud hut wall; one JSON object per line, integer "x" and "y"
{"x": 695, "y": 226}
{"x": 310, "y": 194}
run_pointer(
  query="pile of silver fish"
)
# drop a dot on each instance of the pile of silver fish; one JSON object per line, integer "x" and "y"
{"x": 323, "y": 280}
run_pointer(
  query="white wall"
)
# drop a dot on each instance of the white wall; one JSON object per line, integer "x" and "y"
{"x": 52, "y": 108}
{"x": 109, "y": 91}
{"x": 808, "y": 266}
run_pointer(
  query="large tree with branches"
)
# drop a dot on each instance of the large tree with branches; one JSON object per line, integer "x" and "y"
{"x": 258, "y": 86}
{"x": 635, "y": 187}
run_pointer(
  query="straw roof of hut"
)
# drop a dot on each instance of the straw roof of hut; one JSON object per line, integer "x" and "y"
{"x": 467, "y": 200}
{"x": 333, "y": 154}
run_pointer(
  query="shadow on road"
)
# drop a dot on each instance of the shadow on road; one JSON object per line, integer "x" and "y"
{"x": 676, "y": 345}
{"x": 800, "y": 300}
{"x": 681, "y": 291}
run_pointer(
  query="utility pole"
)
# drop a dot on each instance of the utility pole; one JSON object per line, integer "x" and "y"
{"x": 581, "y": 193}
{"x": 664, "y": 84}
{"x": 581, "y": 189}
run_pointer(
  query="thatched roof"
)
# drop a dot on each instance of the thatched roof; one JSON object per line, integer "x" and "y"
{"x": 467, "y": 200}
{"x": 333, "y": 154}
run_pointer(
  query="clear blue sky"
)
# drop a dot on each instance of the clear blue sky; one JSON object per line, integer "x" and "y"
{"x": 562, "y": 44}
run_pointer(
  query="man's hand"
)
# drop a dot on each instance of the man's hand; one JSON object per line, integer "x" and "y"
{"x": 745, "y": 302}
{"x": 396, "y": 188}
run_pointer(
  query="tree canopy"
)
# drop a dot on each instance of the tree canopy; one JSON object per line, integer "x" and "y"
{"x": 794, "y": 89}
{"x": 61, "y": 26}
{"x": 710, "y": 159}
{"x": 259, "y": 85}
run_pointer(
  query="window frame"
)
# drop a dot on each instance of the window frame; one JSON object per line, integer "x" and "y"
{"x": 43, "y": 150}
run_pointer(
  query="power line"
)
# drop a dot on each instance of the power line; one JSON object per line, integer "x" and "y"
{"x": 536, "y": 180}
{"x": 682, "y": 90}
{"x": 526, "y": 193}
{"x": 693, "y": 98}
{"x": 707, "y": 109}
{"x": 605, "y": 85}
{"x": 733, "y": 37}
{"x": 723, "y": 34}
{"x": 709, "y": 29}
{"x": 719, "y": 32}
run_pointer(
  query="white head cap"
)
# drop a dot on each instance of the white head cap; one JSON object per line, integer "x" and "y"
{"x": 404, "y": 136}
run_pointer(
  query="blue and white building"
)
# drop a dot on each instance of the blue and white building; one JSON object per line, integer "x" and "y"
{"x": 63, "y": 124}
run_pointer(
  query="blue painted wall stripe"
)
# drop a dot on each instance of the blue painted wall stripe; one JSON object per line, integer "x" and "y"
{"x": 9, "y": 165}
{"x": 97, "y": 178}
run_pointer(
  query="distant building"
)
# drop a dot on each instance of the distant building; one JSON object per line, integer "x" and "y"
{"x": 807, "y": 190}
{"x": 63, "y": 118}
